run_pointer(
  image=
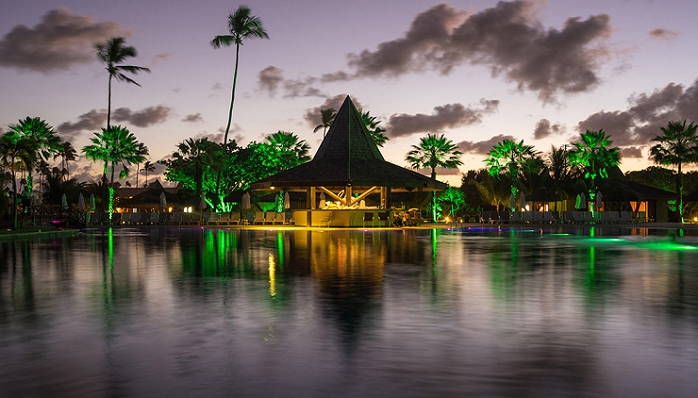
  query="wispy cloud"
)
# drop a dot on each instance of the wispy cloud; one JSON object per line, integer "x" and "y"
{"x": 483, "y": 147}
{"x": 143, "y": 118}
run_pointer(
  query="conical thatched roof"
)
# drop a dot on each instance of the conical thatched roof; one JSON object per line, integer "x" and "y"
{"x": 349, "y": 156}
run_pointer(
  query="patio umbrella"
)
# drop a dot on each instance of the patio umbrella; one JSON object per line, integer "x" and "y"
{"x": 523, "y": 201}
{"x": 81, "y": 202}
{"x": 512, "y": 201}
{"x": 599, "y": 200}
{"x": 322, "y": 199}
{"x": 287, "y": 201}
{"x": 583, "y": 200}
{"x": 202, "y": 204}
{"x": 93, "y": 202}
{"x": 64, "y": 202}
{"x": 163, "y": 201}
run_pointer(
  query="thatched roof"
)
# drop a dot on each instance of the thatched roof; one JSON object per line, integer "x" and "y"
{"x": 622, "y": 190}
{"x": 349, "y": 156}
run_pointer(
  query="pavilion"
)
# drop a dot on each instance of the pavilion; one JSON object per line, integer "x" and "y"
{"x": 349, "y": 171}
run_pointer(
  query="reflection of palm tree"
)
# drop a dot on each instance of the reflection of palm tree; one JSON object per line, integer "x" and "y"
{"x": 148, "y": 167}
{"x": 593, "y": 152}
{"x": 241, "y": 25}
{"x": 434, "y": 151}
{"x": 327, "y": 116}
{"x": 116, "y": 146}
{"x": 677, "y": 146}
{"x": 374, "y": 129}
{"x": 508, "y": 157}
{"x": 112, "y": 53}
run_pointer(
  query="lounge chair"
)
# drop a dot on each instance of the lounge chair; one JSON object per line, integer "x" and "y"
{"x": 269, "y": 217}
{"x": 126, "y": 218}
{"x": 625, "y": 217}
{"x": 326, "y": 220}
{"x": 615, "y": 217}
{"x": 588, "y": 216}
{"x": 288, "y": 220}
{"x": 213, "y": 218}
{"x": 175, "y": 218}
{"x": 258, "y": 217}
{"x": 154, "y": 218}
{"x": 234, "y": 219}
{"x": 514, "y": 217}
{"x": 548, "y": 217}
{"x": 280, "y": 218}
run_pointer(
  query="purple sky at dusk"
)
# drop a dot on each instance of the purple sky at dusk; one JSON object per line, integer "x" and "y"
{"x": 477, "y": 71}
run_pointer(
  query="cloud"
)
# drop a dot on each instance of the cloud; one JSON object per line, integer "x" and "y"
{"x": 90, "y": 121}
{"x": 631, "y": 152}
{"x": 646, "y": 114}
{"x": 664, "y": 34}
{"x": 544, "y": 129}
{"x": 507, "y": 38}
{"x": 193, "y": 118}
{"x": 62, "y": 39}
{"x": 143, "y": 118}
{"x": 483, "y": 147}
{"x": 270, "y": 78}
{"x": 160, "y": 57}
{"x": 313, "y": 117}
{"x": 445, "y": 116}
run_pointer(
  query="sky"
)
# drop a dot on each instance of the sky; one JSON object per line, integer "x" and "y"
{"x": 477, "y": 71}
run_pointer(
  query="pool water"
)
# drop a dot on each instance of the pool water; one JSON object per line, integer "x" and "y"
{"x": 502, "y": 312}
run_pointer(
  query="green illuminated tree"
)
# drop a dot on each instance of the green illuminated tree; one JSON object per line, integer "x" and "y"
{"x": 374, "y": 129}
{"x": 593, "y": 153}
{"x": 241, "y": 26}
{"x": 509, "y": 157}
{"x": 453, "y": 199}
{"x": 677, "y": 146}
{"x": 434, "y": 151}
{"x": 327, "y": 116}
{"x": 44, "y": 139}
{"x": 195, "y": 164}
{"x": 113, "y": 52}
{"x": 16, "y": 151}
{"x": 116, "y": 147}
{"x": 286, "y": 151}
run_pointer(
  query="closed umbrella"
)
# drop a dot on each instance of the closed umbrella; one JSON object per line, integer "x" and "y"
{"x": 512, "y": 201}
{"x": 583, "y": 200}
{"x": 246, "y": 202}
{"x": 322, "y": 199}
{"x": 202, "y": 204}
{"x": 287, "y": 201}
{"x": 64, "y": 202}
{"x": 599, "y": 200}
{"x": 523, "y": 201}
{"x": 163, "y": 201}
{"x": 93, "y": 202}
{"x": 81, "y": 202}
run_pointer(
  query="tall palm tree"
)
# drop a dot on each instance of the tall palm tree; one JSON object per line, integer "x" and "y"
{"x": 677, "y": 146}
{"x": 44, "y": 138}
{"x": 434, "y": 151}
{"x": 327, "y": 116}
{"x": 113, "y": 52}
{"x": 509, "y": 157}
{"x": 143, "y": 151}
{"x": 148, "y": 167}
{"x": 116, "y": 147}
{"x": 374, "y": 129}
{"x": 67, "y": 153}
{"x": 241, "y": 25}
{"x": 287, "y": 151}
{"x": 594, "y": 154}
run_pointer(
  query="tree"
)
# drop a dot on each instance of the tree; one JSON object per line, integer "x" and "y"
{"x": 193, "y": 163}
{"x": 116, "y": 147}
{"x": 434, "y": 151}
{"x": 327, "y": 116}
{"x": 374, "y": 129}
{"x": 112, "y": 53}
{"x": 143, "y": 151}
{"x": 286, "y": 151}
{"x": 594, "y": 154}
{"x": 148, "y": 167}
{"x": 67, "y": 153}
{"x": 677, "y": 146}
{"x": 453, "y": 198}
{"x": 43, "y": 139}
{"x": 241, "y": 25}
{"x": 509, "y": 157}
{"x": 16, "y": 151}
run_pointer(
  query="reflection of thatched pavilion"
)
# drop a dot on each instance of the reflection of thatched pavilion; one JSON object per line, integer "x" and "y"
{"x": 349, "y": 170}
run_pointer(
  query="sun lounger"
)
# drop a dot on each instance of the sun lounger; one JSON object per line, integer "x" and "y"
{"x": 234, "y": 219}
{"x": 625, "y": 217}
{"x": 368, "y": 218}
{"x": 258, "y": 217}
{"x": 280, "y": 218}
{"x": 537, "y": 217}
{"x": 514, "y": 217}
{"x": 213, "y": 218}
{"x": 175, "y": 218}
{"x": 548, "y": 217}
{"x": 326, "y": 220}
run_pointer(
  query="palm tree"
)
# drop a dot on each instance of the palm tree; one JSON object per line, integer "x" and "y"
{"x": 115, "y": 146}
{"x": 113, "y": 52}
{"x": 374, "y": 128}
{"x": 192, "y": 163}
{"x": 241, "y": 25}
{"x": 16, "y": 151}
{"x": 677, "y": 146}
{"x": 509, "y": 157}
{"x": 143, "y": 151}
{"x": 327, "y": 116}
{"x": 44, "y": 138}
{"x": 594, "y": 154}
{"x": 148, "y": 167}
{"x": 287, "y": 151}
{"x": 67, "y": 153}
{"x": 434, "y": 151}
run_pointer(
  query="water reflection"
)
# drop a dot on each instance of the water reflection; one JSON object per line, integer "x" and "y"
{"x": 500, "y": 312}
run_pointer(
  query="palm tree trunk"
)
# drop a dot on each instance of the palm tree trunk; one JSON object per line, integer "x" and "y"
{"x": 232, "y": 97}
{"x": 109, "y": 104}
{"x": 679, "y": 184}
{"x": 14, "y": 200}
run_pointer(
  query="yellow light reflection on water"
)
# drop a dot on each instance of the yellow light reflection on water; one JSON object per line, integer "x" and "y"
{"x": 272, "y": 275}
